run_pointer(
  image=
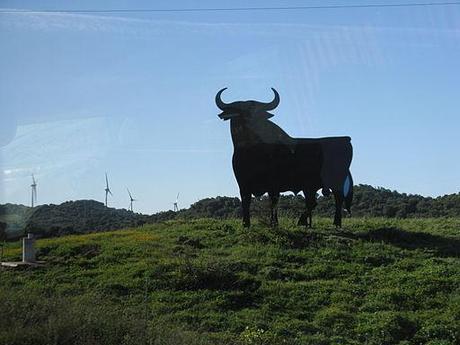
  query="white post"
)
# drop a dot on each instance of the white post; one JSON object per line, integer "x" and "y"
{"x": 28, "y": 250}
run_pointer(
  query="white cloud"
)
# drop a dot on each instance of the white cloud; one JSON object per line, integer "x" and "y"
{"x": 47, "y": 21}
{"x": 51, "y": 147}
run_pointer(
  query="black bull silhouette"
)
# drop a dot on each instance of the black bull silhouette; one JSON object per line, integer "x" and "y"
{"x": 267, "y": 160}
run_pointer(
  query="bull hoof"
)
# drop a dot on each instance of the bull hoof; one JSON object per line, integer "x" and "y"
{"x": 302, "y": 221}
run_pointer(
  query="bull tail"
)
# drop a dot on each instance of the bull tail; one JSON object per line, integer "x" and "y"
{"x": 348, "y": 192}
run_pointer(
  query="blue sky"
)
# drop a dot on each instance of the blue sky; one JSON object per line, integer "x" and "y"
{"x": 133, "y": 94}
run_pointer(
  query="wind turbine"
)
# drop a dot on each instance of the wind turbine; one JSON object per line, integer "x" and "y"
{"x": 130, "y": 200}
{"x": 107, "y": 189}
{"x": 34, "y": 190}
{"x": 176, "y": 207}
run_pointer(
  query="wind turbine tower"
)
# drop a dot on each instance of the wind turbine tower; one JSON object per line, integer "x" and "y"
{"x": 34, "y": 191}
{"x": 107, "y": 189}
{"x": 131, "y": 199}
{"x": 176, "y": 207}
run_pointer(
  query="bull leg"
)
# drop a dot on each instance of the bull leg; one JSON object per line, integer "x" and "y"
{"x": 274, "y": 198}
{"x": 246, "y": 203}
{"x": 303, "y": 220}
{"x": 310, "y": 204}
{"x": 338, "y": 208}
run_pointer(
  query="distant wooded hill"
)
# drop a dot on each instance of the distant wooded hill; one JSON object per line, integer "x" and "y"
{"x": 71, "y": 217}
{"x": 367, "y": 202}
{"x": 88, "y": 215}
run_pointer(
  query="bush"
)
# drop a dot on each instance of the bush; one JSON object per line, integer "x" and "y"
{"x": 385, "y": 328}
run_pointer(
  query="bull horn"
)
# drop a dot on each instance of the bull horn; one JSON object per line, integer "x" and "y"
{"x": 220, "y": 104}
{"x": 273, "y": 104}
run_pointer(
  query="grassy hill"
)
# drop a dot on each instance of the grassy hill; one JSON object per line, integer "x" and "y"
{"x": 212, "y": 282}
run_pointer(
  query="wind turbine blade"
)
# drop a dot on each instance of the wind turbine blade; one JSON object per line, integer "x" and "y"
{"x": 108, "y": 190}
{"x": 177, "y": 197}
{"x": 33, "y": 179}
{"x": 130, "y": 196}
{"x": 106, "y": 181}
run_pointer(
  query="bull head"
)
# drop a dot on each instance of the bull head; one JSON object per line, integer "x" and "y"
{"x": 246, "y": 109}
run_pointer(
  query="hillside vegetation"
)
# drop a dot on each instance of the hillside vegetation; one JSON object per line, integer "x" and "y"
{"x": 206, "y": 281}
{"x": 82, "y": 216}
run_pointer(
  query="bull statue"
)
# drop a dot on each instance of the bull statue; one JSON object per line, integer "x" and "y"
{"x": 267, "y": 160}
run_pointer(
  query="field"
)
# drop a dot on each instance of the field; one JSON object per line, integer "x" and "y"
{"x": 379, "y": 281}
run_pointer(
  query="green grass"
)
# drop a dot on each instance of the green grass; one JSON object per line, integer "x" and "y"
{"x": 380, "y": 281}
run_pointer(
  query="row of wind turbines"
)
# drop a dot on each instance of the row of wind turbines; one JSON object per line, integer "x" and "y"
{"x": 107, "y": 192}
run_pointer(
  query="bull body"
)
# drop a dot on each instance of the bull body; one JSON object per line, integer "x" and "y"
{"x": 267, "y": 160}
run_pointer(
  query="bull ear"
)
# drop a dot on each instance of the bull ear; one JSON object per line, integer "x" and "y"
{"x": 265, "y": 115}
